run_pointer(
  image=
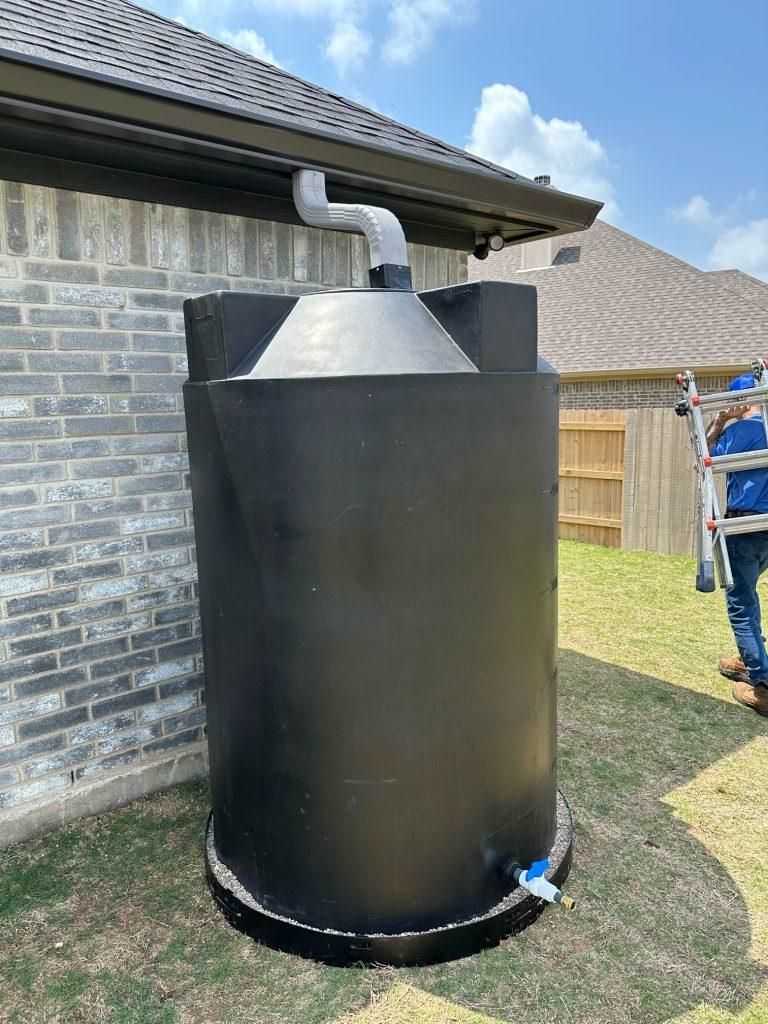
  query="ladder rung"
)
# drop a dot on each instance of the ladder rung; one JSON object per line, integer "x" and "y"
{"x": 727, "y": 398}
{"x": 739, "y": 461}
{"x": 740, "y": 524}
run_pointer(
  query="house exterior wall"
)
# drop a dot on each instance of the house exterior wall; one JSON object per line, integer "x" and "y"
{"x": 630, "y": 392}
{"x": 101, "y": 683}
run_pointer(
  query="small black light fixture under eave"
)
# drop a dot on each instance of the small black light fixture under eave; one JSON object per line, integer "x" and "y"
{"x": 494, "y": 242}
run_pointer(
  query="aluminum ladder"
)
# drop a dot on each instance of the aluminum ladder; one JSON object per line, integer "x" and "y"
{"x": 711, "y": 527}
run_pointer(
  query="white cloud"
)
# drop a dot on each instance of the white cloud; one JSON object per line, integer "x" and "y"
{"x": 414, "y": 23}
{"x": 411, "y": 24}
{"x": 200, "y": 13}
{"x": 738, "y": 243}
{"x": 745, "y": 247}
{"x": 698, "y": 212}
{"x": 347, "y": 47}
{"x": 306, "y": 8}
{"x": 251, "y": 42}
{"x": 507, "y": 131}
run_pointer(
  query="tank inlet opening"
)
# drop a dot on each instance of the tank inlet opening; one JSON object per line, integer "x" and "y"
{"x": 533, "y": 880}
{"x": 382, "y": 229}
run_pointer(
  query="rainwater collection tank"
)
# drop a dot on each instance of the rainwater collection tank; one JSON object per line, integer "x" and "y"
{"x": 374, "y": 475}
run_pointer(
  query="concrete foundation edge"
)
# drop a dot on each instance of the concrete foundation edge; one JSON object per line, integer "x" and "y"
{"x": 104, "y": 795}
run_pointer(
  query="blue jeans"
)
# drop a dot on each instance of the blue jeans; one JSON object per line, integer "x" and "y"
{"x": 748, "y": 553}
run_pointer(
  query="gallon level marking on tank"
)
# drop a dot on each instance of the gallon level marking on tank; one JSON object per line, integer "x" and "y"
{"x": 349, "y": 508}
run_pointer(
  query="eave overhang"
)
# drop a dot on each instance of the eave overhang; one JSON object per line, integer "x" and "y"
{"x": 83, "y": 130}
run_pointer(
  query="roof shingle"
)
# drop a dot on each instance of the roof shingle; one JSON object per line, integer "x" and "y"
{"x": 743, "y": 284}
{"x": 91, "y": 35}
{"x": 612, "y": 302}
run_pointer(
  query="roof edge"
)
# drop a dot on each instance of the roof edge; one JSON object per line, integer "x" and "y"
{"x": 647, "y": 372}
{"x": 32, "y": 81}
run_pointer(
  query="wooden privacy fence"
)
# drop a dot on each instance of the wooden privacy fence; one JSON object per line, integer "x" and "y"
{"x": 591, "y": 475}
{"x": 626, "y": 480}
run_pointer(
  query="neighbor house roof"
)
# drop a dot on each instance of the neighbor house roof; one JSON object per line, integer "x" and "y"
{"x": 124, "y": 73}
{"x": 612, "y": 304}
{"x": 743, "y": 284}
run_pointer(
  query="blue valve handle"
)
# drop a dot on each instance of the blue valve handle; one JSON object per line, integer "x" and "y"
{"x": 536, "y": 869}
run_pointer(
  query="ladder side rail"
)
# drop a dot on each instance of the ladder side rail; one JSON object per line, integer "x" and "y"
{"x": 720, "y": 546}
{"x": 761, "y": 376}
{"x": 721, "y": 527}
{"x": 700, "y": 450}
{"x": 708, "y": 554}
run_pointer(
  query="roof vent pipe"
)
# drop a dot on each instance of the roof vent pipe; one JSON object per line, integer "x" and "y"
{"x": 389, "y": 253}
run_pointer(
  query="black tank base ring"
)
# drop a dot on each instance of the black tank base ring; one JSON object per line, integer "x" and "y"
{"x": 437, "y": 945}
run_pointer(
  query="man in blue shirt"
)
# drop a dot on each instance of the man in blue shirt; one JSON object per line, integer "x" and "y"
{"x": 740, "y": 429}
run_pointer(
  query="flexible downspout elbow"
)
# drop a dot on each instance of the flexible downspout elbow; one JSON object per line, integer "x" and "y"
{"x": 389, "y": 253}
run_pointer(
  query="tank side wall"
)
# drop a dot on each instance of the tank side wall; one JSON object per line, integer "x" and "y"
{"x": 378, "y": 576}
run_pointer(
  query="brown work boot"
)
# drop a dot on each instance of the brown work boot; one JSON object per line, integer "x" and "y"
{"x": 734, "y": 669}
{"x": 754, "y": 697}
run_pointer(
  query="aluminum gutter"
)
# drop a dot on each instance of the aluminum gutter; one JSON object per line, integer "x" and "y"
{"x": 37, "y": 91}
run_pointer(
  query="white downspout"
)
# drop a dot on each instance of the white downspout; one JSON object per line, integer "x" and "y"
{"x": 381, "y": 227}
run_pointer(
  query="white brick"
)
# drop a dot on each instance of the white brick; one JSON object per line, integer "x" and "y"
{"x": 113, "y": 588}
{"x": 143, "y": 524}
{"x": 152, "y": 712}
{"x": 169, "y": 670}
{"x": 10, "y": 585}
{"x": 14, "y": 407}
{"x": 82, "y": 489}
{"x": 19, "y": 710}
{"x": 31, "y": 790}
{"x": 131, "y": 738}
{"x": 104, "y": 727}
{"x": 172, "y": 576}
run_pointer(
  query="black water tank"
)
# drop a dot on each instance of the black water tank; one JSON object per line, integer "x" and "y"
{"x": 374, "y": 476}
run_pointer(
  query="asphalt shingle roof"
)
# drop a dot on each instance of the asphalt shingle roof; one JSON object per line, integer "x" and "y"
{"x": 743, "y": 284}
{"x": 118, "y": 39}
{"x": 611, "y": 301}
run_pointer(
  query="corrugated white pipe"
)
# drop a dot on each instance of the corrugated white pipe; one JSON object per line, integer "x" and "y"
{"x": 381, "y": 227}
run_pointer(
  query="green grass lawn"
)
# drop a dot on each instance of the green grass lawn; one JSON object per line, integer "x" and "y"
{"x": 110, "y": 920}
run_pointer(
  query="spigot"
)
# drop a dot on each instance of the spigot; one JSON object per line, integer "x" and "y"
{"x": 534, "y": 881}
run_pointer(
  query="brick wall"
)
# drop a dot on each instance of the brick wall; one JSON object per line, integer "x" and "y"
{"x": 630, "y": 393}
{"x": 100, "y": 670}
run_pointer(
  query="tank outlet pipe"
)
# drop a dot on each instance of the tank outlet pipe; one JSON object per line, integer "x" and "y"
{"x": 389, "y": 253}
{"x": 534, "y": 881}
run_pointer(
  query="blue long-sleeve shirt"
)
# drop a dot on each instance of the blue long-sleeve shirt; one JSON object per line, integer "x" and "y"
{"x": 747, "y": 490}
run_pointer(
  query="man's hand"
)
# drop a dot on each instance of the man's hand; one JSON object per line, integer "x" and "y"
{"x": 718, "y": 424}
{"x": 734, "y": 412}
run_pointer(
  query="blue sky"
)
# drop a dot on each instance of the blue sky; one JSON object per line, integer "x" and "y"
{"x": 660, "y": 108}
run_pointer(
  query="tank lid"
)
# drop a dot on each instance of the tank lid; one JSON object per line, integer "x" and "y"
{"x": 356, "y": 332}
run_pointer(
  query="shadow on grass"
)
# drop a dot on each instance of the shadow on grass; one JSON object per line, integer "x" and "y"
{"x": 110, "y": 919}
{"x": 661, "y": 927}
